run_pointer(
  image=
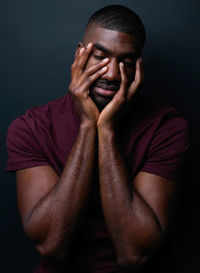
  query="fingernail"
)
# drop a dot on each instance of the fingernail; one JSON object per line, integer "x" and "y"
{"x": 122, "y": 65}
{"x": 89, "y": 45}
{"x": 104, "y": 68}
{"x": 105, "y": 60}
{"x": 82, "y": 49}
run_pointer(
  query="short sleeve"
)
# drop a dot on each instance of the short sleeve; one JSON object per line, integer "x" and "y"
{"x": 23, "y": 148}
{"x": 167, "y": 154}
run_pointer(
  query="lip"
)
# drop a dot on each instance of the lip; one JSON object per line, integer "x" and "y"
{"x": 104, "y": 92}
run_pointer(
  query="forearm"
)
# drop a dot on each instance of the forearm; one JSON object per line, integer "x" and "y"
{"x": 133, "y": 227}
{"x": 57, "y": 218}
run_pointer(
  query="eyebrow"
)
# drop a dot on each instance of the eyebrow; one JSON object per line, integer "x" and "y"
{"x": 101, "y": 48}
{"x": 125, "y": 55}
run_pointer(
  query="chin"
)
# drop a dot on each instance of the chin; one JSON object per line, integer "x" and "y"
{"x": 100, "y": 101}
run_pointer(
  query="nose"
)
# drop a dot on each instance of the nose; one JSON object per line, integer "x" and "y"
{"x": 113, "y": 72}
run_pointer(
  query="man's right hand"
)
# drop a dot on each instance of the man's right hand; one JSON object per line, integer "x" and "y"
{"x": 81, "y": 80}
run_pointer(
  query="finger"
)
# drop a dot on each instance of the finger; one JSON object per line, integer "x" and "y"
{"x": 82, "y": 50}
{"x": 84, "y": 80}
{"x": 82, "y": 60}
{"x": 90, "y": 71}
{"x": 97, "y": 66}
{"x": 123, "y": 85}
{"x": 138, "y": 72}
{"x": 87, "y": 82}
{"x": 79, "y": 54}
{"x": 142, "y": 70}
{"x": 138, "y": 79}
{"x": 84, "y": 57}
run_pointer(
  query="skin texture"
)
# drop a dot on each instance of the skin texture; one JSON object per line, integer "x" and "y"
{"x": 52, "y": 208}
{"x": 118, "y": 47}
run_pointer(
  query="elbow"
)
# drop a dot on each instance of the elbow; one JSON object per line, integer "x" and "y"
{"x": 53, "y": 253}
{"x": 49, "y": 247}
{"x": 133, "y": 261}
{"x": 137, "y": 257}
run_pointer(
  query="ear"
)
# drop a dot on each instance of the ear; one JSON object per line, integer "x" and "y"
{"x": 79, "y": 46}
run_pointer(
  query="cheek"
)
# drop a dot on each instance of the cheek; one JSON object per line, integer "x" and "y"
{"x": 130, "y": 74}
{"x": 91, "y": 61}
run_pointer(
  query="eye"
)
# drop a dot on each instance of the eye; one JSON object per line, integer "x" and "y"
{"x": 99, "y": 57}
{"x": 129, "y": 62}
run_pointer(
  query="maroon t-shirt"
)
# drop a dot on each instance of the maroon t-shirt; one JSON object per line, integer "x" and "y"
{"x": 152, "y": 139}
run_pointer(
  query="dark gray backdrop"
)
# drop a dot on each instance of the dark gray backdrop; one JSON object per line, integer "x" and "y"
{"x": 37, "y": 43}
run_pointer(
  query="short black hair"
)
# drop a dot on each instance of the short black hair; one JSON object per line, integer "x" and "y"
{"x": 119, "y": 18}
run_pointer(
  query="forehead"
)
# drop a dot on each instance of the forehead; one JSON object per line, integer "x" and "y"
{"x": 113, "y": 40}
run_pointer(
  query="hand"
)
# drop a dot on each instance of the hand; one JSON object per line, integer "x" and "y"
{"x": 81, "y": 80}
{"x": 110, "y": 115}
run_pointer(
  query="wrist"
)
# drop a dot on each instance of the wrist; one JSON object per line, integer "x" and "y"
{"x": 88, "y": 125}
{"x": 105, "y": 127}
{"x": 105, "y": 131}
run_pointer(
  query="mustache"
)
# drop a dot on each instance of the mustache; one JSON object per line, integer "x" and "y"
{"x": 107, "y": 85}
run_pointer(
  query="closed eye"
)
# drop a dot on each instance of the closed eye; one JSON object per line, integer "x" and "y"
{"x": 99, "y": 57}
{"x": 129, "y": 64}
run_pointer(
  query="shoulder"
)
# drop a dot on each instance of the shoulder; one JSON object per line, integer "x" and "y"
{"x": 40, "y": 116}
{"x": 171, "y": 122}
{"x": 161, "y": 116}
{"x": 168, "y": 141}
{"x": 37, "y": 124}
{"x": 31, "y": 137}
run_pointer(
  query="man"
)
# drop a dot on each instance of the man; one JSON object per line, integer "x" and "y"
{"x": 98, "y": 171}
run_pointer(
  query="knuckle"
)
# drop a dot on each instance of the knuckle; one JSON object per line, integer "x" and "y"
{"x": 89, "y": 81}
{"x": 73, "y": 88}
{"x": 77, "y": 92}
{"x": 81, "y": 66}
{"x": 99, "y": 65}
{"x": 78, "y": 64}
{"x": 102, "y": 70}
{"x": 86, "y": 72}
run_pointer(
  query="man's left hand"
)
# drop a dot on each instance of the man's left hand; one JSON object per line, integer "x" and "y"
{"x": 110, "y": 115}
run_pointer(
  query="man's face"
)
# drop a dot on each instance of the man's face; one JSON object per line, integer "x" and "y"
{"x": 118, "y": 47}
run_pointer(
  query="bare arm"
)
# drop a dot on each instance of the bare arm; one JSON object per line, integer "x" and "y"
{"x": 137, "y": 213}
{"x": 52, "y": 208}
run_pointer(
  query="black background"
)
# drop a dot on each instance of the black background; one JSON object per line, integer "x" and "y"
{"x": 37, "y": 43}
